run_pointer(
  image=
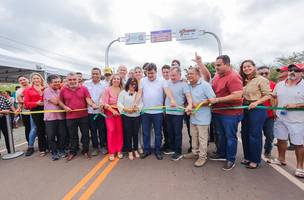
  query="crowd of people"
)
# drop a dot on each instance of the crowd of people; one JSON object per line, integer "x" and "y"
{"x": 141, "y": 112}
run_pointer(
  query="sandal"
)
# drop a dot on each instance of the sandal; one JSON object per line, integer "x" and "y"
{"x": 245, "y": 162}
{"x": 111, "y": 157}
{"x": 136, "y": 154}
{"x": 299, "y": 173}
{"x": 250, "y": 165}
{"x": 119, "y": 155}
{"x": 131, "y": 156}
{"x": 276, "y": 162}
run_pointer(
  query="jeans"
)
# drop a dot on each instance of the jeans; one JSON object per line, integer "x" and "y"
{"x": 131, "y": 129}
{"x": 165, "y": 132}
{"x": 226, "y": 129}
{"x": 33, "y": 133}
{"x": 27, "y": 125}
{"x": 268, "y": 133}
{"x": 39, "y": 122}
{"x": 55, "y": 130}
{"x": 72, "y": 125}
{"x": 147, "y": 121}
{"x": 252, "y": 126}
{"x": 175, "y": 126}
{"x": 98, "y": 130}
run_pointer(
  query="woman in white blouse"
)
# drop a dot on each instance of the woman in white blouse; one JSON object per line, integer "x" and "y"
{"x": 130, "y": 117}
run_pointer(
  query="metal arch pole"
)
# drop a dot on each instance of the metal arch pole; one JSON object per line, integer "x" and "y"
{"x": 107, "y": 52}
{"x": 219, "y": 44}
{"x": 13, "y": 153}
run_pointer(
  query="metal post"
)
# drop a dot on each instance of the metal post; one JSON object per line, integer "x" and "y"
{"x": 107, "y": 52}
{"x": 13, "y": 153}
{"x": 217, "y": 39}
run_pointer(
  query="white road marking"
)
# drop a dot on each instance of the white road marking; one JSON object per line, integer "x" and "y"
{"x": 284, "y": 173}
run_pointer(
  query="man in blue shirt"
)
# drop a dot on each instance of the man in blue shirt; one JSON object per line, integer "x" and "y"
{"x": 200, "y": 120}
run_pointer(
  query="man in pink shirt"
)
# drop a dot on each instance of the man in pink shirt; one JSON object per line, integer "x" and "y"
{"x": 72, "y": 97}
{"x": 54, "y": 121}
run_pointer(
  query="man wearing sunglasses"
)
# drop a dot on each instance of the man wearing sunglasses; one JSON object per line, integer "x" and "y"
{"x": 290, "y": 94}
{"x": 268, "y": 124}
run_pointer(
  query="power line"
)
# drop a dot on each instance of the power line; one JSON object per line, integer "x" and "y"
{"x": 64, "y": 57}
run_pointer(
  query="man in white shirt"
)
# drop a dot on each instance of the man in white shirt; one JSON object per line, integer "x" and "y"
{"x": 290, "y": 94}
{"x": 152, "y": 89}
{"x": 96, "y": 121}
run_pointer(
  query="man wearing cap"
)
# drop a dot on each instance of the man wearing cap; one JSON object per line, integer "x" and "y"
{"x": 107, "y": 71}
{"x": 290, "y": 94}
{"x": 283, "y": 73}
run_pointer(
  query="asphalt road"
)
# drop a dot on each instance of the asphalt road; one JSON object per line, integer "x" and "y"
{"x": 40, "y": 178}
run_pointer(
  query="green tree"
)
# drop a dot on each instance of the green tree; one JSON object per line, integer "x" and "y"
{"x": 296, "y": 57}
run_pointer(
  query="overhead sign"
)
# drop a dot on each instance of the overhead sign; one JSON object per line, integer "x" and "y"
{"x": 161, "y": 36}
{"x": 187, "y": 34}
{"x": 135, "y": 38}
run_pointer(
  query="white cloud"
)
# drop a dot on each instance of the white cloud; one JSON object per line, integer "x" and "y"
{"x": 261, "y": 30}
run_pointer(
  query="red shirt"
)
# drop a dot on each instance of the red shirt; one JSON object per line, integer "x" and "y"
{"x": 31, "y": 97}
{"x": 224, "y": 85}
{"x": 267, "y": 103}
{"x": 75, "y": 99}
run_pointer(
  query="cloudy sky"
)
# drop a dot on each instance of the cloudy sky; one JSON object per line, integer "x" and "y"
{"x": 74, "y": 33}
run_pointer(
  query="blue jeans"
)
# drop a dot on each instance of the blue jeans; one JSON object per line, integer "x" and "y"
{"x": 226, "y": 129}
{"x": 98, "y": 130}
{"x": 175, "y": 126}
{"x": 147, "y": 121}
{"x": 33, "y": 133}
{"x": 268, "y": 133}
{"x": 252, "y": 126}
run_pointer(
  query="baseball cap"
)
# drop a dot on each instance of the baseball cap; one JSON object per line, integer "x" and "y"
{"x": 297, "y": 65}
{"x": 283, "y": 68}
{"x": 107, "y": 70}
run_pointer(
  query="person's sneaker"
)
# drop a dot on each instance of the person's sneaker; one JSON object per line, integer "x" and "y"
{"x": 29, "y": 151}
{"x": 55, "y": 157}
{"x": 228, "y": 166}
{"x": 62, "y": 154}
{"x": 176, "y": 157}
{"x": 145, "y": 155}
{"x": 94, "y": 152}
{"x": 168, "y": 152}
{"x": 158, "y": 156}
{"x": 216, "y": 157}
{"x": 104, "y": 150}
{"x": 200, "y": 162}
{"x": 191, "y": 155}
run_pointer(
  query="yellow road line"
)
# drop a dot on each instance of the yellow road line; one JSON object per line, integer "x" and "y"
{"x": 98, "y": 181}
{"x": 85, "y": 179}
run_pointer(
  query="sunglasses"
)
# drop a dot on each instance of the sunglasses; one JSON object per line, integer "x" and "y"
{"x": 294, "y": 70}
{"x": 264, "y": 73}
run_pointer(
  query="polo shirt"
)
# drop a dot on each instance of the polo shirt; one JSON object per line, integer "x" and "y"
{"x": 49, "y": 93}
{"x": 179, "y": 91}
{"x": 75, "y": 99}
{"x": 201, "y": 91}
{"x": 289, "y": 95}
{"x": 224, "y": 85}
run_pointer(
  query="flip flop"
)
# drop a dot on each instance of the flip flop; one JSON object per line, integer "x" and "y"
{"x": 299, "y": 173}
{"x": 276, "y": 162}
